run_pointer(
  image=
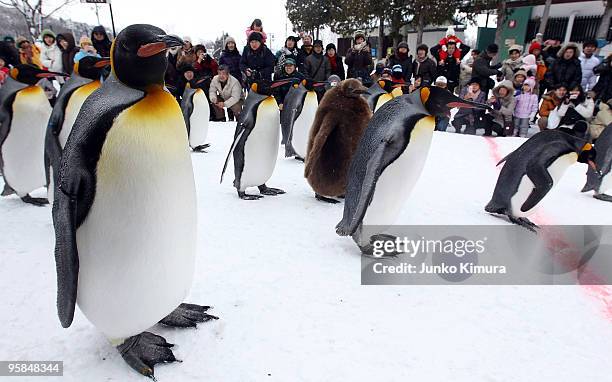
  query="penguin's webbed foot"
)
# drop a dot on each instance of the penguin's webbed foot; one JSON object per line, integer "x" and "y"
{"x": 524, "y": 222}
{"x": 368, "y": 250}
{"x": 201, "y": 148}
{"x": 603, "y": 197}
{"x": 269, "y": 191}
{"x": 143, "y": 351}
{"x": 8, "y": 190}
{"x": 326, "y": 199}
{"x": 35, "y": 201}
{"x": 187, "y": 316}
{"x": 244, "y": 196}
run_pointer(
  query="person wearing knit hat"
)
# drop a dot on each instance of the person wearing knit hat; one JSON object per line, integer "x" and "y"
{"x": 87, "y": 49}
{"x": 289, "y": 71}
{"x": 28, "y": 52}
{"x": 359, "y": 59}
{"x": 335, "y": 61}
{"x": 441, "y": 82}
{"x": 50, "y": 53}
{"x": 471, "y": 118}
{"x": 535, "y": 48}
{"x": 257, "y": 61}
{"x": 513, "y": 62}
{"x": 423, "y": 66}
{"x": 441, "y": 122}
{"x": 401, "y": 57}
{"x": 230, "y": 57}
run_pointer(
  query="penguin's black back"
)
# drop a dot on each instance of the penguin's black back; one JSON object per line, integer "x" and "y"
{"x": 292, "y": 108}
{"x": 187, "y": 106}
{"x": 384, "y": 140}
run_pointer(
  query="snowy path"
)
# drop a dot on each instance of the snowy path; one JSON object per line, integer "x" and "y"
{"x": 288, "y": 291}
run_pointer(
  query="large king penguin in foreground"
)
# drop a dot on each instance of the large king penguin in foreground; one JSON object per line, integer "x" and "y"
{"x": 85, "y": 79}
{"x": 24, "y": 113}
{"x": 298, "y": 114}
{"x": 125, "y": 207}
{"x": 389, "y": 160}
{"x": 256, "y": 141}
{"x": 531, "y": 171}
{"x": 196, "y": 112}
{"x": 599, "y": 176}
{"x": 340, "y": 122}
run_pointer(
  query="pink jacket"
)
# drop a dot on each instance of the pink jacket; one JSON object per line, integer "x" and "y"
{"x": 526, "y": 105}
{"x": 262, "y": 33}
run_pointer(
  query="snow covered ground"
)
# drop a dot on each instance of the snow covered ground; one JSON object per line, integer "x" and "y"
{"x": 288, "y": 292}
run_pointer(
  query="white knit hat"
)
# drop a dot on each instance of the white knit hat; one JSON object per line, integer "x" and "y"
{"x": 441, "y": 80}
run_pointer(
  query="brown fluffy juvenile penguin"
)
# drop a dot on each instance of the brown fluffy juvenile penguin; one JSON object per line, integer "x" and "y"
{"x": 340, "y": 121}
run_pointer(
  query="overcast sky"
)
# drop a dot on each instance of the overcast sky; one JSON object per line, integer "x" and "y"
{"x": 201, "y": 20}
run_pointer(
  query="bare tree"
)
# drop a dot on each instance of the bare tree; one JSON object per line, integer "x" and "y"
{"x": 544, "y": 19}
{"x": 604, "y": 26}
{"x": 33, "y": 14}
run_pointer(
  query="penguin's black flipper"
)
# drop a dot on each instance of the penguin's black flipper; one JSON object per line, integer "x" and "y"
{"x": 292, "y": 108}
{"x": 143, "y": 351}
{"x": 187, "y": 106}
{"x": 542, "y": 182}
{"x": 239, "y": 132}
{"x": 372, "y": 95}
{"x": 77, "y": 182}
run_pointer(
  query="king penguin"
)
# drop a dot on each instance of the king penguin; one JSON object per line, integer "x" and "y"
{"x": 389, "y": 160}
{"x": 300, "y": 107}
{"x": 599, "y": 174}
{"x": 256, "y": 142}
{"x": 85, "y": 79}
{"x": 125, "y": 207}
{"x": 382, "y": 92}
{"x": 531, "y": 171}
{"x": 196, "y": 112}
{"x": 24, "y": 113}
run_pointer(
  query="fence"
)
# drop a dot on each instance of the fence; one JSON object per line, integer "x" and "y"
{"x": 584, "y": 28}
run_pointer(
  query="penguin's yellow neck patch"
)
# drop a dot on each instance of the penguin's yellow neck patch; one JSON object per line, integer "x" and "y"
{"x": 31, "y": 90}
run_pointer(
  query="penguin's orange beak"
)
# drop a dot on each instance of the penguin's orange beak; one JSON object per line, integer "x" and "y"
{"x": 153, "y": 48}
{"x": 47, "y": 74}
{"x": 276, "y": 84}
{"x": 102, "y": 63}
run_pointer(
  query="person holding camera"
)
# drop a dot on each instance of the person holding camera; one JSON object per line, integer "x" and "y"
{"x": 577, "y": 107}
{"x": 257, "y": 62}
{"x": 470, "y": 117}
{"x": 550, "y": 102}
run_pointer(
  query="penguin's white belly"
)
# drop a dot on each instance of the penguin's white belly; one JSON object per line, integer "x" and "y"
{"x": 137, "y": 243}
{"x": 261, "y": 146}
{"x": 383, "y": 99}
{"x": 606, "y": 183}
{"x": 303, "y": 124}
{"x": 397, "y": 181}
{"x": 73, "y": 107}
{"x": 198, "y": 121}
{"x": 23, "y": 148}
{"x": 556, "y": 171}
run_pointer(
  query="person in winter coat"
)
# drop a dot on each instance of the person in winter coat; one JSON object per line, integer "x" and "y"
{"x": 65, "y": 41}
{"x": 101, "y": 41}
{"x": 256, "y": 26}
{"x": 588, "y": 62}
{"x": 225, "y": 92}
{"x": 257, "y": 62}
{"x": 483, "y": 70}
{"x": 550, "y": 50}
{"x": 304, "y": 51}
{"x": 577, "y": 108}
{"x": 566, "y": 68}
{"x": 602, "y": 120}
{"x": 87, "y": 49}
{"x": 50, "y": 54}
{"x": 518, "y": 80}
{"x": 28, "y": 52}
{"x": 4, "y": 70}
{"x": 230, "y": 57}
{"x": 603, "y": 88}
{"x": 187, "y": 55}
{"x": 441, "y": 122}
{"x": 397, "y": 74}
{"x": 290, "y": 50}
{"x": 316, "y": 66}
{"x": 449, "y": 61}
{"x": 187, "y": 76}
{"x": 359, "y": 59}
{"x": 500, "y": 119}
{"x": 378, "y": 71}
{"x": 513, "y": 62}
{"x": 550, "y": 102}
{"x": 9, "y": 51}
{"x": 466, "y": 67}
{"x": 335, "y": 61}
{"x": 471, "y": 118}
{"x": 289, "y": 71}
{"x": 525, "y": 109}
{"x": 423, "y": 66}
{"x": 402, "y": 58}
{"x": 205, "y": 66}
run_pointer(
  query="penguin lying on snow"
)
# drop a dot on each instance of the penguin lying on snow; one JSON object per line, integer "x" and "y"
{"x": 299, "y": 111}
{"x": 125, "y": 207}
{"x": 85, "y": 79}
{"x": 256, "y": 142}
{"x": 339, "y": 124}
{"x": 24, "y": 113}
{"x": 389, "y": 160}
{"x": 382, "y": 92}
{"x": 599, "y": 176}
{"x": 196, "y": 112}
{"x": 532, "y": 170}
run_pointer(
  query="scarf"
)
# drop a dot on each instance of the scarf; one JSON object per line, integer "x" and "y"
{"x": 359, "y": 47}
{"x": 333, "y": 63}
{"x": 402, "y": 56}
